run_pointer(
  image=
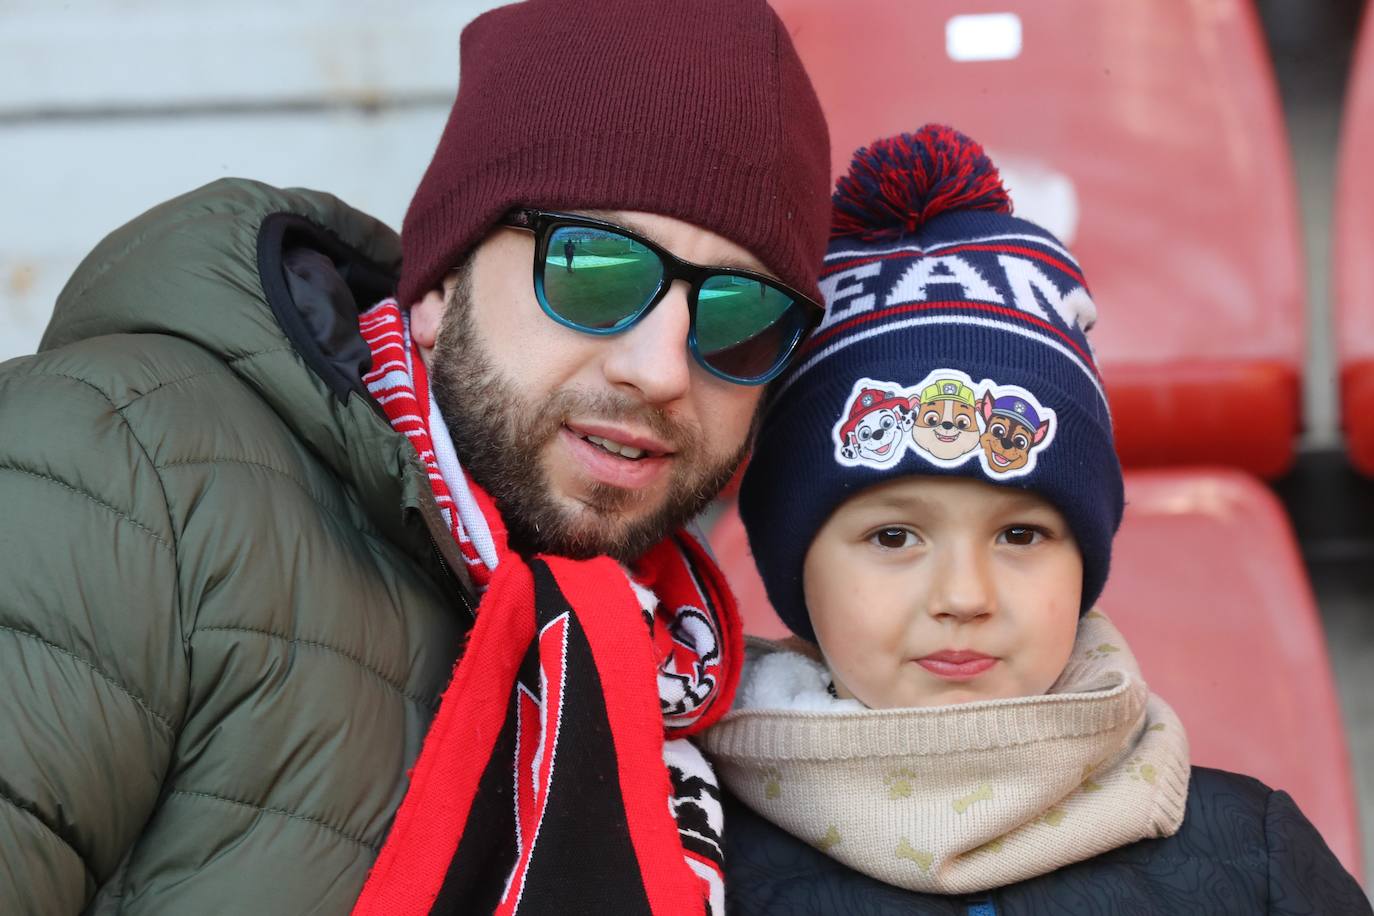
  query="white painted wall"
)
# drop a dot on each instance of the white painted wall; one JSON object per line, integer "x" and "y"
{"x": 108, "y": 107}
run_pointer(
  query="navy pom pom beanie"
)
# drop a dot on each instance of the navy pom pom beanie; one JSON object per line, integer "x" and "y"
{"x": 954, "y": 343}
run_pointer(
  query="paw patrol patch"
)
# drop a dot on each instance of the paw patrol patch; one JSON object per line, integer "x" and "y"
{"x": 946, "y": 419}
{"x": 874, "y": 430}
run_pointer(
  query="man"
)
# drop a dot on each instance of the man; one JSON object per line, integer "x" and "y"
{"x": 245, "y": 536}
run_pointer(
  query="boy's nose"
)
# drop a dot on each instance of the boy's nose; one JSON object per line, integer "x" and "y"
{"x": 963, "y": 588}
{"x": 652, "y": 358}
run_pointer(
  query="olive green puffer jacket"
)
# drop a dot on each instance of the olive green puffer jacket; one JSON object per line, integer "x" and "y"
{"x": 225, "y": 621}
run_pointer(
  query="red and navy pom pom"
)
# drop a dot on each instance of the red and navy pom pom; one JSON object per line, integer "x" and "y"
{"x": 897, "y": 184}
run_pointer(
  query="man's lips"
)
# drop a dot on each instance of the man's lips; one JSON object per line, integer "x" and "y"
{"x": 956, "y": 664}
{"x": 649, "y": 444}
{"x": 600, "y": 465}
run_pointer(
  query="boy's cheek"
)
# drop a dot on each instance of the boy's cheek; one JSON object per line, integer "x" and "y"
{"x": 866, "y": 673}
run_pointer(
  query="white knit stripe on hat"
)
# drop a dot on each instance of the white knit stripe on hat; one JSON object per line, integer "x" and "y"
{"x": 838, "y": 254}
{"x": 888, "y": 327}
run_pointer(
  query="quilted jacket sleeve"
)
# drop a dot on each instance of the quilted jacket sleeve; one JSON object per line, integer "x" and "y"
{"x": 1304, "y": 875}
{"x": 92, "y": 664}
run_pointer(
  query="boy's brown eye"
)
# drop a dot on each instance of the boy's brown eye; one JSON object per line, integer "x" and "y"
{"x": 1020, "y": 537}
{"x": 893, "y": 538}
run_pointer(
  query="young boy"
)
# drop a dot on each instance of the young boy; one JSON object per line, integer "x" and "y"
{"x": 931, "y": 505}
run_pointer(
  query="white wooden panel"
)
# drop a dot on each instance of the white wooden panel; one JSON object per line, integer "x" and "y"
{"x": 90, "y": 55}
{"x": 64, "y": 185}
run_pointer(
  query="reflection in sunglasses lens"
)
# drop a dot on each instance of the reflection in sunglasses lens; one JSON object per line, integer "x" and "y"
{"x": 598, "y": 279}
{"x": 601, "y": 280}
{"x": 743, "y": 324}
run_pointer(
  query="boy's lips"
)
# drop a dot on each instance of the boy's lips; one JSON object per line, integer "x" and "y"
{"x": 956, "y": 664}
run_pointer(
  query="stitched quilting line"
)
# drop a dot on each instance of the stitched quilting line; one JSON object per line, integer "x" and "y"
{"x": 217, "y": 459}
{"x": 249, "y": 357}
{"x": 317, "y": 499}
{"x": 367, "y": 530}
{"x": 133, "y": 434}
{"x": 134, "y": 244}
{"x": 31, "y": 812}
{"x": 161, "y": 385}
{"x": 188, "y": 462}
{"x": 114, "y": 510}
{"x": 231, "y": 361}
{"x": 281, "y": 812}
{"x": 167, "y": 513}
{"x": 143, "y": 704}
{"x": 394, "y": 685}
{"x": 167, "y": 383}
{"x": 118, "y": 408}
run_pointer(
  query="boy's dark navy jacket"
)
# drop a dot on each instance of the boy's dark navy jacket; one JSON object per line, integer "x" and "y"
{"x": 1243, "y": 849}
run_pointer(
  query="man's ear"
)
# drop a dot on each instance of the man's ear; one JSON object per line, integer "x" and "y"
{"x": 425, "y": 318}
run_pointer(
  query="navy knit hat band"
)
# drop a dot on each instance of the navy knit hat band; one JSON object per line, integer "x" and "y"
{"x": 953, "y": 344}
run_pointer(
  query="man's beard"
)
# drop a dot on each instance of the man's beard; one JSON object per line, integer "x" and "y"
{"x": 500, "y": 439}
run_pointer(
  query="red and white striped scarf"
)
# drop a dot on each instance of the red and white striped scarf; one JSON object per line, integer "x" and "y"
{"x": 557, "y": 775}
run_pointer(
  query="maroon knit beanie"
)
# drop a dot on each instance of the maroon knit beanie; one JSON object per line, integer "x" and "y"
{"x": 694, "y": 109}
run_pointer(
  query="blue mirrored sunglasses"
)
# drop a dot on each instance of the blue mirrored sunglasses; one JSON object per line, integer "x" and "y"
{"x": 600, "y": 278}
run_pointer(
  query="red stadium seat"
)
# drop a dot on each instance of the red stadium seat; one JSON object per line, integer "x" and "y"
{"x": 1353, "y": 257}
{"x": 1209, "y": 588}
{"x": 1148, "y": 135}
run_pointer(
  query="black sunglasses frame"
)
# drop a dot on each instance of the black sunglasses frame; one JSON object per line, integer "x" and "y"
{"x": 542, "y": 224}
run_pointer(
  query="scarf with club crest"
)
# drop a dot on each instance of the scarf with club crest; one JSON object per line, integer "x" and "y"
{"x": 557, "y": 776}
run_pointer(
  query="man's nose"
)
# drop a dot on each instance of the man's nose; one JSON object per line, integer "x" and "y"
{"x": 963, "y": 589}
{"x": 652, "y": 356}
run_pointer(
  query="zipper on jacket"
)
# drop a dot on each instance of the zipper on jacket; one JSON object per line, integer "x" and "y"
{"x": 459, "y": 591}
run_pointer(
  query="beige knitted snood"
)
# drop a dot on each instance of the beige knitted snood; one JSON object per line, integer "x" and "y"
{"x": 958, "y": 799}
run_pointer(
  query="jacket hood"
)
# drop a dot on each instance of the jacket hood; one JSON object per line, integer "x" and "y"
{"x": 270, "y": 281}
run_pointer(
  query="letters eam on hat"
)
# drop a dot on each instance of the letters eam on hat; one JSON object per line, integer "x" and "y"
{"x": 954, "y": 343}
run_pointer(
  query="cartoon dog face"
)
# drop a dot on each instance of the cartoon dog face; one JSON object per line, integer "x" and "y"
{"x": 877, "y": 422}
{"x": 946, "y": 423}
{"x": 877, "y": 435}
{"x": 1011, "y": 429}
